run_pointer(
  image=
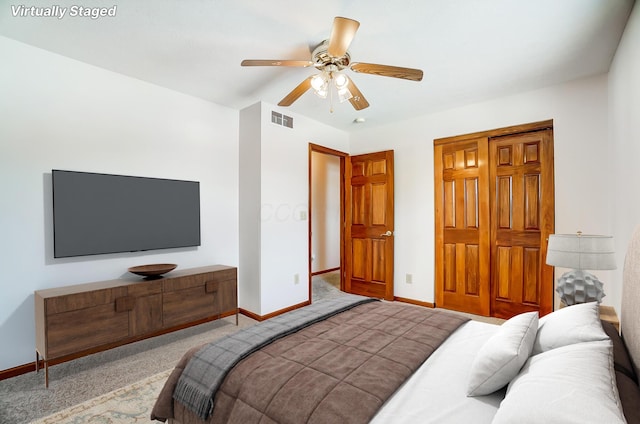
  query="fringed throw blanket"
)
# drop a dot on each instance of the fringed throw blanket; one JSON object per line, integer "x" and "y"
{"x": 340, "y": 369}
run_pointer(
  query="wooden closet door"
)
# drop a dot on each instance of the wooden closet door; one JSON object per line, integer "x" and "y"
{"x": 462, "y": 226}
{"x": 522, "y": 217}
{"x": 494, "y": 211}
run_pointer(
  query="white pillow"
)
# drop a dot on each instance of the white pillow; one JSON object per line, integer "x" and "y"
{"x": 502, "y": 356}
{"x": 568, "y": 325}
{"x": 571, "y": 384}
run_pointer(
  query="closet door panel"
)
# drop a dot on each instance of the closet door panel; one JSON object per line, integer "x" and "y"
{"x": 462, "y": 226}
{"x": 521, "y": 219}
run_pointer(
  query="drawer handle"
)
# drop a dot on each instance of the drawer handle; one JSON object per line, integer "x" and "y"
{"x": 125, "y": 303}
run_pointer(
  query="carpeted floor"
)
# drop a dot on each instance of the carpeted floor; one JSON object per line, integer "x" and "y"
{"x": 325, "y": 285}
{"x": 126, "y": 405}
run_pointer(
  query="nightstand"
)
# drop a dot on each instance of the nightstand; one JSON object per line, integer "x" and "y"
{"x": 608, "y": 314}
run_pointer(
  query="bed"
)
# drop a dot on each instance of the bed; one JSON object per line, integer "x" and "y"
{"x": 364, "y": 360}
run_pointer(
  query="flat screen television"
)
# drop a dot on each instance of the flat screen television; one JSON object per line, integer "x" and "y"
{"x": 103, "y": 213}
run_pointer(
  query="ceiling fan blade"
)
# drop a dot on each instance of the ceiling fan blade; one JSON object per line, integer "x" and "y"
{"x": 357, "y": 100}
{"x": 388, "y": 71}
{"x": 296, "y": 63}
{"x": 296, "y": 92}
{"x": 342, "y": 33}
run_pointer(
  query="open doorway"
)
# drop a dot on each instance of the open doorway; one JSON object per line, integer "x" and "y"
{"x": 326, "y": 218}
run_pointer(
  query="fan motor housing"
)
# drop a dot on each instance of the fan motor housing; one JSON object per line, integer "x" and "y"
{"x": 322, "y": 58}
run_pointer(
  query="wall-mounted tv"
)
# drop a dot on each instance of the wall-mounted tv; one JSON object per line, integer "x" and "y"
{"x": 103, "y": 213}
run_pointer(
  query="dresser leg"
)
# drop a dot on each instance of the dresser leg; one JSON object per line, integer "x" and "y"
{"x": 46, "y": 369}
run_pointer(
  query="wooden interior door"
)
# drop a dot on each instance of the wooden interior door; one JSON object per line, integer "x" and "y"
{"x": 369, "y": 225}
{"x": 462, "y": 226}
{"x": 522, "y": 217}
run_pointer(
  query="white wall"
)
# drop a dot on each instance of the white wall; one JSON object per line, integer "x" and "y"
{"x": 60, "y": 113}
{"x": 579, "y": 111}
{"x": 285, "y": 202}
{"x": 325, "y": 211}
{"x": 284, "y": 198}
{"x": 249, "y": 213}
{"x": 624, "y": 137}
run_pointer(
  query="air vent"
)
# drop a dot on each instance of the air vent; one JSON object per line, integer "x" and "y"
{"x": 280, "y": 119}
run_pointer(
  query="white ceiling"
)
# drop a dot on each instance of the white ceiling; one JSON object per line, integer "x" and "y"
{"x": 469, "y": 50}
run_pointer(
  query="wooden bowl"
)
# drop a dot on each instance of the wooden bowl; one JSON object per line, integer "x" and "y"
{"x": 153, "y": 270}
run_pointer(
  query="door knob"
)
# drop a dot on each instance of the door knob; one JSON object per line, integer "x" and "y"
{"x": 387, "y": 234}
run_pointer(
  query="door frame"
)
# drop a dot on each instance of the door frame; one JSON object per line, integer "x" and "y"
{"x": 342, "y": 155}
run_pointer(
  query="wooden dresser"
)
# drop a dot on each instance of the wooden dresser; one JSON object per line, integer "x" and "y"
{"x": 78, "y": 320}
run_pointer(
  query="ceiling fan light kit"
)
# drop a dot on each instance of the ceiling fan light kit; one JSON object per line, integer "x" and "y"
{"x": 326, "y": 82}
{"x": 330, "y": 58}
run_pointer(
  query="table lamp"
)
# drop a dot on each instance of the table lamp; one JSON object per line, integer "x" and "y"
{"x": 580, "y": 252}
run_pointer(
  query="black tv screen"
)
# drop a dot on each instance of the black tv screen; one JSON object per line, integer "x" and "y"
{"x": 103, "y": 213}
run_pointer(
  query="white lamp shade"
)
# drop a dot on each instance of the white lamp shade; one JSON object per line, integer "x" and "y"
{"x": 580, "y": 251}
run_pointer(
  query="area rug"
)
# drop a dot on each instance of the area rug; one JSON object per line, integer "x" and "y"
{"x": 129, "y": 404}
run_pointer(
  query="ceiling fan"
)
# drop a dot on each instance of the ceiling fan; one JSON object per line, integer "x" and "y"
{"x": 331, "y": 57}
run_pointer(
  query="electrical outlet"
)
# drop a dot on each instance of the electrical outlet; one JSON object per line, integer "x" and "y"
{"x": 409, "y": 279}
{"x": 296, "y": 278}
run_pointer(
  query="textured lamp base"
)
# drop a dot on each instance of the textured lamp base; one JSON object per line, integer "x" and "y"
{"x": 579, "y": 287}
